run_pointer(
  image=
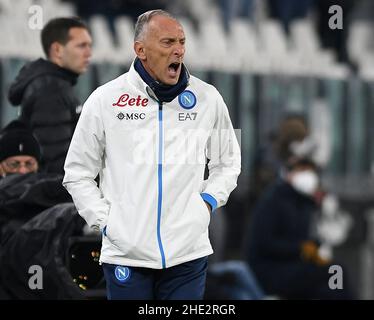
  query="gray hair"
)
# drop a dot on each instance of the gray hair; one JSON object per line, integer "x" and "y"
{"x": 145, "y": 18}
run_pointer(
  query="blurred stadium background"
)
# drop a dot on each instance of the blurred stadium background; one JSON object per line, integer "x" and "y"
{"x": 268, "y": 59}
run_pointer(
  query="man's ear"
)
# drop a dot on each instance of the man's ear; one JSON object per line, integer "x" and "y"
{"x": 140, "y": 50}
{"x": 55, "y": 51}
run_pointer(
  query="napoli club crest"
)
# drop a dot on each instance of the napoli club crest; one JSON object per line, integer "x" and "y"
{"x": 187, "y": 99}
{"x": 122, "y": 274}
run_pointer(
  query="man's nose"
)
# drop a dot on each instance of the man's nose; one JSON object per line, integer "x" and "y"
{"x": 89, "y": 52}
{"x": 179, "y": 50}
{"x": 23, "y": 170}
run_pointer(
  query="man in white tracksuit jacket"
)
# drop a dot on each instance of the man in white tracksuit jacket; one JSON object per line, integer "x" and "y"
{"x": 148, "y": 134}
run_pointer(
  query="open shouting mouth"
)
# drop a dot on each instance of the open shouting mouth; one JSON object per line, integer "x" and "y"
{"x": 174, "y": 69}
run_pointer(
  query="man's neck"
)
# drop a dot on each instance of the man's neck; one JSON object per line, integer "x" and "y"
{"x": 56, "y": 61}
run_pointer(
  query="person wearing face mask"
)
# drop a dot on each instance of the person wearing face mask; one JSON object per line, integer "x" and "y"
{"x": 305, "y": 180}
{"x": 283, "y": 250}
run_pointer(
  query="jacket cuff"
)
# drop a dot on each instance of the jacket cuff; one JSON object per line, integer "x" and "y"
{"x": 210, "y": 199}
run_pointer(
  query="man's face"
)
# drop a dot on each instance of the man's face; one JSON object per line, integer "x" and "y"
{"x": 18, "y": 164}
{"x": 75, "y": 54}
{"x": 162, "y": 49}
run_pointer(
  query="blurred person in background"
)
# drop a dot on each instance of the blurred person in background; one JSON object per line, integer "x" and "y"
{"x": 269, "y": 157}
{"x": 19, "y": 150}
{"x": 284, "y": 249}
{"x": 24, "y": 194}
{"x": 44, "y": 88}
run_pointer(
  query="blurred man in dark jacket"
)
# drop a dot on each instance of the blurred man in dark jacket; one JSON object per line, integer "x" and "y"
{"x": 24, "y": 194}
{"x": 284, "y": 249}
{"x": 44, "y": 88}
{"x": 23, "y": 191}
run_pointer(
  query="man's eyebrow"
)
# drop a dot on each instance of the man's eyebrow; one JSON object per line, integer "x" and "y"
{"x": 173, "y": 39}
{"x": 169, "y": 38}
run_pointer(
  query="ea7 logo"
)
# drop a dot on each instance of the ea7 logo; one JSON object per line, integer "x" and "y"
{"x": 125, "y": 100}
{"x": 187, "y": 116}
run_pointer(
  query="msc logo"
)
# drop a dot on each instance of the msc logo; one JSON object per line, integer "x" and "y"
{"x": 187, "y": 99}
{"x": 131, "y": 116}
{"x": 122, "y": 274}
{"x": 125, "y": 100}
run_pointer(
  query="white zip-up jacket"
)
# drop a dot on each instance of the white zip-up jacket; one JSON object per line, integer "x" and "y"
{"x": 151, "y": 159}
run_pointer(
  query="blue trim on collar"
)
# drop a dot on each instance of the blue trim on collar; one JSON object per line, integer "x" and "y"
{"x": 164, "y": 93}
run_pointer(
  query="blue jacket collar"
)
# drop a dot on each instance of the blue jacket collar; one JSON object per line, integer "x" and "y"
{"x": 164, "y": 93}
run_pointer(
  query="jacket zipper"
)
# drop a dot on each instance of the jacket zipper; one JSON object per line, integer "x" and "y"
{"x": 159, "y": 175}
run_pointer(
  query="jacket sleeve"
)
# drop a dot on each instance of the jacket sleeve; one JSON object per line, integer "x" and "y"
{"x": 83, "y": 163}
{"x": 223, "y": 152}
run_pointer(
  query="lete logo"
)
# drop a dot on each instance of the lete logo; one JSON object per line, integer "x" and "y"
{"x": 125, "y": 100}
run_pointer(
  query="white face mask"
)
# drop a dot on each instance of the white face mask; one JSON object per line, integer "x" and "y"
{"x": 305, "y": 182}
